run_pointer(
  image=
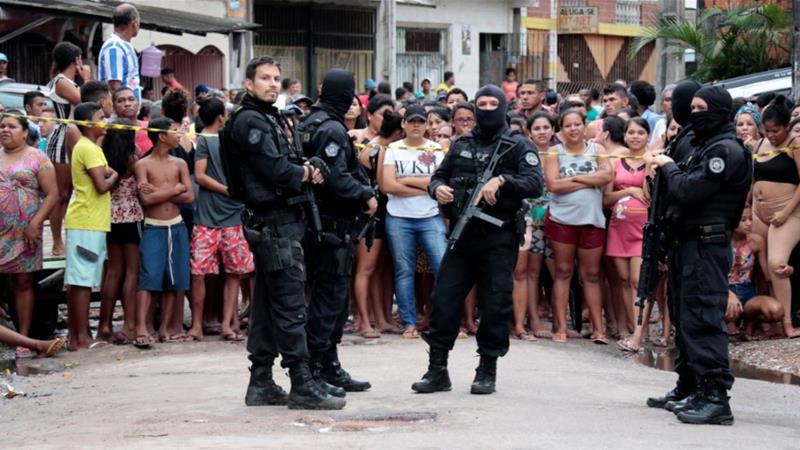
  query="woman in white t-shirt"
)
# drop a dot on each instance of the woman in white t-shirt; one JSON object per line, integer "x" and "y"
{"x": 413, "y": 216}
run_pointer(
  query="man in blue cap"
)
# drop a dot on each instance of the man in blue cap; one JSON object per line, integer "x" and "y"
{"x": 370, "y": 87}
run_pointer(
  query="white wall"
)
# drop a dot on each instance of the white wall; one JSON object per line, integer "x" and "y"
{"x": 191, "y": 42}
{"x": 483, "y": 16}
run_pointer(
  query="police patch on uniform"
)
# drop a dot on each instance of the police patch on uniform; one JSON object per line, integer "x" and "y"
{"x": 716, "y": 165}
{"x": 532, "y": 159}
{"x": 332, "y": 150}
{"x": 254, "y": 137}
{"x": 465, "y": 154}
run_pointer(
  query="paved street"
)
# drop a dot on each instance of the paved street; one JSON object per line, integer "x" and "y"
{"x": 549, "y": 396}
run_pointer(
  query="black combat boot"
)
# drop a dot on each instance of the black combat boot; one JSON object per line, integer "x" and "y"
{"x": 306, "y": 393}
{"x": 677, "y": 406}
{"x": 315, "y": 364}
{"x": 262, "y": 390}
{"x": 436, "y": 378}
{"x": 710, "y": 408}
{"x": 485, "y": 376}
{"x": 681, "y": 391}
{"x": 333, "y": 373}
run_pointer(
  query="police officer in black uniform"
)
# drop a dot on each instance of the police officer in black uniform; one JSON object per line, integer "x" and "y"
{"x": 345, "y": 200}
{"x": 485, "y": 253}
{"x": 267, "y": 175}
{"x": 711, "y": 192}
{"x": 680, "y": 149}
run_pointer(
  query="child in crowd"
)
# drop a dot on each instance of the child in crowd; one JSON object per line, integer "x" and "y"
{"x": 218, "y": 228}
{"x": 164, "y": 185}
{"x": 87, "y": 220}
{"x": 743, "y": 299}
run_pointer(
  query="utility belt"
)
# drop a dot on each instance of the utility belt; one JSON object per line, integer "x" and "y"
{"x": 706, "y": 234}
{"x": 339, "y": 231}
{"x": 276, "y": 250}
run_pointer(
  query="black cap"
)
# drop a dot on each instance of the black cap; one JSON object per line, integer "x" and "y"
{"x": 415, "y": 112}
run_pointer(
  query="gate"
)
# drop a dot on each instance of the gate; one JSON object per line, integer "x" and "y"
{"x": 415, "y": 67}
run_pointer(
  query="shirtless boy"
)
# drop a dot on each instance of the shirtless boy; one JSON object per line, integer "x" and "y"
{"x": 164, "y": 184}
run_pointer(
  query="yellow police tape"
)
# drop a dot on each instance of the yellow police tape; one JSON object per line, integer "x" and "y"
{"x": 107, "y": 125}
{"x": 119, "y": 126}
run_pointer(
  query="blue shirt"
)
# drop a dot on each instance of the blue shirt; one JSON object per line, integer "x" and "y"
{"x": 118, "y": 62}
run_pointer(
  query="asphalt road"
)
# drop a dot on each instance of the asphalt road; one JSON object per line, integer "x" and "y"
{"x": 549, "y": 396}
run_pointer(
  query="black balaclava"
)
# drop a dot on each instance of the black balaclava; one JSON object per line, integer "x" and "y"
{"x": 338, "y": 90}
{"x": 490, "y": 123}
{"x": 717, "y": 118}
{"x": 682, "y": 101}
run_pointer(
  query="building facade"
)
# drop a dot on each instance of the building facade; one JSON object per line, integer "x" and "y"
{"x": 575, "y": 44}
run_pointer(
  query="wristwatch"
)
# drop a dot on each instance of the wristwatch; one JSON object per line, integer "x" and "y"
{"x": 502, "y": 179}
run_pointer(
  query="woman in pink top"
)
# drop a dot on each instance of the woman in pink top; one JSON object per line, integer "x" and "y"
{"x": 510, "y": 84}
{"x": 628, "y": 203}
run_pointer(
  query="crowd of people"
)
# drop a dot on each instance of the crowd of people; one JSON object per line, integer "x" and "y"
{"x": 116, "y": 190}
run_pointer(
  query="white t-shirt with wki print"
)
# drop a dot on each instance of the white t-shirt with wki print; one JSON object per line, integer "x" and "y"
{"x": 413, "y": 163}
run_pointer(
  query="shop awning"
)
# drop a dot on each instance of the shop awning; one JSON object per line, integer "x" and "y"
{"x": 151, "y": 17}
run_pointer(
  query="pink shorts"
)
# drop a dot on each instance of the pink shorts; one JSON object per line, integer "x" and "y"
{"x": 585, "y": 237}
{"x": 209, "y": 244}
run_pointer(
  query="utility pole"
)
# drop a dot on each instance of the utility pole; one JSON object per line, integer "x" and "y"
{"x": 669, "y": 68}
{"x": 796, "y": 50}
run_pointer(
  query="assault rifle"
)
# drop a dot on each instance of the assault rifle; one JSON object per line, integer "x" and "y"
{"x": 308, "y": 190}
{"x": 656, "y": 241}
{"x": 473, "y": 209}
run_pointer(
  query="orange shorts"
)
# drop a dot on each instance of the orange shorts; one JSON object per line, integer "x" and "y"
{"x": 209, "y": 245}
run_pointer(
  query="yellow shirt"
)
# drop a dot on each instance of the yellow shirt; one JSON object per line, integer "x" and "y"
{"x": 443, "y": 87}
{"x": 87, "y": 209}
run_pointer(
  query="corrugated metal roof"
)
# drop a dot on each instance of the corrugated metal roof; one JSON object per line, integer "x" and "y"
{"x": 151, "y": 18}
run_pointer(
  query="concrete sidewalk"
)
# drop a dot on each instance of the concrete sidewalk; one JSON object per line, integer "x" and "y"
{"x": 550, "y": 396}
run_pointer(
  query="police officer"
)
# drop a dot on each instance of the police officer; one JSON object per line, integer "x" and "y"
{"x": 486, "y": 253}
{"x": 266, "y": 174}
{"x": 711, "y": 191}
{"x": 343, "y": 201}
{"x": 680, "y": 150}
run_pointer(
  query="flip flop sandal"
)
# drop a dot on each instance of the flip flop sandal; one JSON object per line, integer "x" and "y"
{"x": 54, "y": 348}
{"x": 23, "y": 353}
{"x": 411, "y": 334}
{"x": 142, "y": 342}
{"x": 525, "y": 336}
{"x": 233, "y": 337}
{"x": 371, "y": 334}
{"x": 600, "y": 338}
{"x": 626, "y": 346}
{"x": 560, "y": 338}
{"x": 543, "y": 334}
{"x": 98, "y": 344}
{"x": 192, "y": 338}
{"x": 120, "y": 338}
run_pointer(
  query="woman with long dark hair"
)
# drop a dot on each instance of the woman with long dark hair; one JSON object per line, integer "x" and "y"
{"x": 123, "y": 240}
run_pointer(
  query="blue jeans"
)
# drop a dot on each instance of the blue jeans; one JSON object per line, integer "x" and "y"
{"x": 404, "y": 235}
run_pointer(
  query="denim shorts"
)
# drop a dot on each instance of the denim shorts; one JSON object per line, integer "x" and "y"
{"x": 743, "y": 291}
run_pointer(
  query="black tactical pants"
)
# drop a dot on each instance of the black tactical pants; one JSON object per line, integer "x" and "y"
{"x": 698, "y": 294}
{"x": 485, "y": 255}
{"x": 330, "y": 289}
{"x": 278, "y": 310}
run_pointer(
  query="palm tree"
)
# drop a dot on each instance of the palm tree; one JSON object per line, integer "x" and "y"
{"x": 727, "y": 42}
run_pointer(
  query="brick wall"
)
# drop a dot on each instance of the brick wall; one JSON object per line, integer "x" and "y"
{"x": 727, "y": 3}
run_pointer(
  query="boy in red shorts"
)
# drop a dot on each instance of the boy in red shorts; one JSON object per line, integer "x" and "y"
{"x": 217, "y": 235}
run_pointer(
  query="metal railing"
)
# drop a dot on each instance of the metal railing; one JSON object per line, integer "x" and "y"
{"x": 629, "y": 12}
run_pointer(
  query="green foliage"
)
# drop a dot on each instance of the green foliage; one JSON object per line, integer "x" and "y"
{"x": 727, "y": 43}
